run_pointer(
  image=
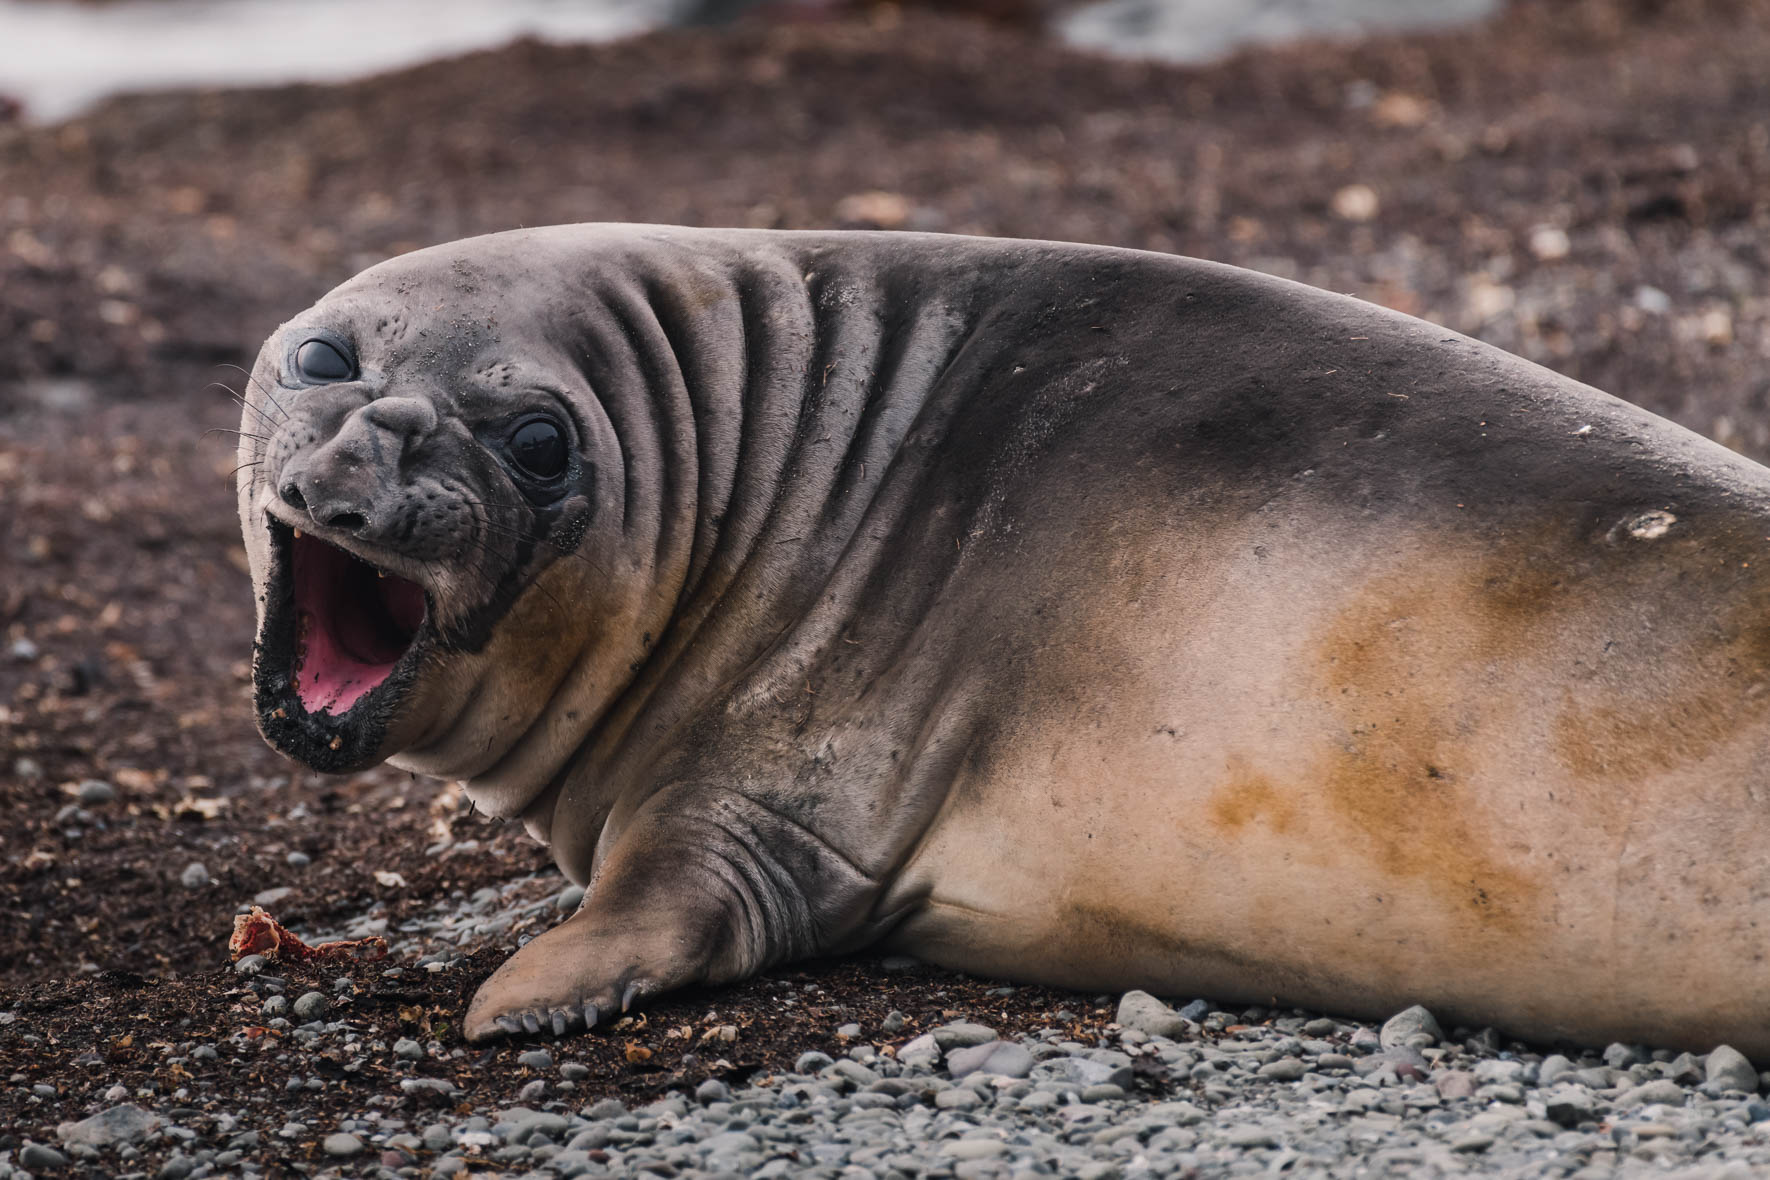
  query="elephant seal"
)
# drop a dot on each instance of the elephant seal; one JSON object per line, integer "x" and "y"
{"x": 1053, "y": 612}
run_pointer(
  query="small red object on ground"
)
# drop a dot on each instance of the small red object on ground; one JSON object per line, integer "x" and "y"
{"x": 257, "y": 933}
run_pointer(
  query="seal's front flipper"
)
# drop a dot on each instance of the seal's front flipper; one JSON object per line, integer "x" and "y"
{"x": 706, "y": 886}
{"x": 580, "y": 974}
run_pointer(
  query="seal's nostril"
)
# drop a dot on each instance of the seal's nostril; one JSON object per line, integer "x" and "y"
{"x": 292, "y": 496}
{"x": 349, "y": 521}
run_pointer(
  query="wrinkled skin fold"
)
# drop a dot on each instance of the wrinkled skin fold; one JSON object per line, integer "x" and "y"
{"x": 1068, "y": 614}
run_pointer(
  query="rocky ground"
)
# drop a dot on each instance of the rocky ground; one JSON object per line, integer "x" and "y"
{"x": 1586, "y": 182}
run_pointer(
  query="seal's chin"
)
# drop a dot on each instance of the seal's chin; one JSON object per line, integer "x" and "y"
{"x": 352, "y": 625}
{"x": 339, "y": 650}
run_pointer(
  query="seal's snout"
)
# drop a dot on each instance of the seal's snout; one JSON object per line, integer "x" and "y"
{"x": 351, "y": 483}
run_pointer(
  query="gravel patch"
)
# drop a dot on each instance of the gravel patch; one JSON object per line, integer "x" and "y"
{"x": 1235, "y": 1092}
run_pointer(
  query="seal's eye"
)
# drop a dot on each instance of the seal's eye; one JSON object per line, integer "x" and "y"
{"x": 320, "y": 361}
{"x": 538, "y": 446}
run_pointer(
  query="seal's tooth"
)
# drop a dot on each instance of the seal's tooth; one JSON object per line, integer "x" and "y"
{"x": 297, "y": 534}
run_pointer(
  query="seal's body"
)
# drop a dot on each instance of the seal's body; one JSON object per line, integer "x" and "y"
{"x": 1068, "y": 614}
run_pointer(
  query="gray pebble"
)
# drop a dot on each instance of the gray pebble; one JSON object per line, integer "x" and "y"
{"x": 1196, "y": 1011}
{"x": 999, "y": 1058}
{"x": 574, "y": 1071}
{"x": 250, "y": 965}
{"x": 298, "y": 860}
{"x": 893, "y": 1023}
{"x": 1685, "y": 1069}
{"x": 608, "y": 1108}
{"x": 1553, "y": 1066}
{"x": 341, "y": 1143}
{"x": 1728, "y": 1069}
{"x": 127, "y": 1123}
{"x": 409, "y": 1049}
{"x": 1413, "y": 1028}
{"x": 919, "y": 1052}
{"x": 94, "y": 791}
{"x": 712, "y": 1090}
{"x": 973, "y": 1149}
{"x": 1145, "y": 1013}
{"x": 311, "y": 1006}
{"x": 1620, "y": 1056}
{"x": 812, "y": 1061}
{"x": 1285, "y": 1069}
{"x": 275, "y": 1006}
{"x": 569, "y": 899}
{"x": 958, "y": 1098}
{"x": 961, "y": 1033}
{"x": 1086, "y": 1072}
{"x": 38, "y": 1158}
{"x": 1663, "y": 1092}
{"x": 535, "y": 1059}
{"x": 195, "y": 875}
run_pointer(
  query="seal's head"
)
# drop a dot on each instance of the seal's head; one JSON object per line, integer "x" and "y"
{"x": 429, "y": 479}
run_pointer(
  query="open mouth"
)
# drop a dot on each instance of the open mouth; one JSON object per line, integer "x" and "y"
{"x": 353, "y": 623}
{"x": 341, "y": 646}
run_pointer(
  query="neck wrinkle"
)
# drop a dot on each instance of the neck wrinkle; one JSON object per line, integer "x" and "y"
{"x": 835, "y": 372}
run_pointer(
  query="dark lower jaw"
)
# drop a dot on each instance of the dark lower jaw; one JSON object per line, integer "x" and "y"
{"x": 333, "y": 743}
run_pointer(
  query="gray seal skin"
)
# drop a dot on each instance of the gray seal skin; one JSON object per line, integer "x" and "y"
{"x": 1060, "y": 613}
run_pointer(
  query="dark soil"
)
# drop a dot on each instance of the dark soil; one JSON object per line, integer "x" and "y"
{"x": 146, "y": 248}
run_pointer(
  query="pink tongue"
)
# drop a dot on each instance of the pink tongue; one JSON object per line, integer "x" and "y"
{"x": 329, "y": 678}
{"x": 346, "y": 624}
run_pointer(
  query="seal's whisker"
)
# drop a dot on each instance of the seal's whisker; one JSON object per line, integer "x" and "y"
{"x": 263, "y": 438}
{"x": 261, "y": 387}
{"x": 245, "y": 405}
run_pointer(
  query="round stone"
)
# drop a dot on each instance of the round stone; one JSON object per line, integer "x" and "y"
{"x": 341, "y": 1143}
{"x": 94, "y": 791}
{"x": 310, "y": 1006}
{"x": 37, "y": 1158}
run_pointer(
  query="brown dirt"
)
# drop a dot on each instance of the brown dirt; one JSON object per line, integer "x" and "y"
{"x": 148, "y": 245}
